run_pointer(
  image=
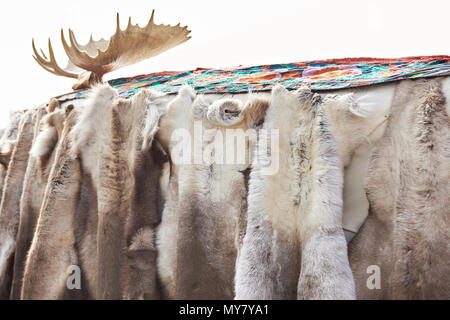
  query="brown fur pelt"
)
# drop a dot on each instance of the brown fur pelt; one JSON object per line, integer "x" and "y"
{"x": 294, "y": 246}
{"x": 406, "y": 234}
{"x": 47, "y": 133}
{"x": 201, "y": 227}
{"x": 10, "y": 202}
{"x": 128, "y": 198}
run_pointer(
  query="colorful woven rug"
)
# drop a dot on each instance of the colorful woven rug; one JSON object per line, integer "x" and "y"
{"x": 318, "y": 75}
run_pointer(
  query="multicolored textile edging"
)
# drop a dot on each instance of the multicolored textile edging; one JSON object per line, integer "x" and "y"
{"x": 318, "y": 75}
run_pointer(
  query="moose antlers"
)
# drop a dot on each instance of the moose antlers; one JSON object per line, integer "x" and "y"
{"x": 124, "y": 48}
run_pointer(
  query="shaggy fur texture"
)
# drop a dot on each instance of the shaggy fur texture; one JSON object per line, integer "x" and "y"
{"x": 128, "y": 194}
{"x": 47, "y": 133}
{"x": 201, "y": 224}
{"x": 10, "y": 203}
{"x": 408, "y": 186}
{"x": 90, "y": 140}
{"x": 100, "y": 208}
{"x": 294, "y": 246}
{"x": 66, "y": 233}
{"x": 53, "y": 248}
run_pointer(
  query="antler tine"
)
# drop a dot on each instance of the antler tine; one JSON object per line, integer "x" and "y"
{"x": 75, "y": 40}
{"x": 50, "y": 64}
{"x": 151, "y": 21}
{"x": 118, "y": 23}
{"x": 43, "y": 54}
{"x": 72, "y": 51}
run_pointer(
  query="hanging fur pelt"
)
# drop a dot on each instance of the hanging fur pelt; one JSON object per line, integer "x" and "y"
{"x": 53, "y": 248}
{"x": 47, "y": 133}
{"x": 402, "y": 249}
{"x": 204, "y": 214}
{"x": 65, "y": 240}
{"x": 294, "y": 246}
{"x": 128, "y": 197}
{"x": 10, "y": 203}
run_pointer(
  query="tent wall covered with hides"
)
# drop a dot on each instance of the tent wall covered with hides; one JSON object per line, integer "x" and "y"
{"x": 247, "y": 183}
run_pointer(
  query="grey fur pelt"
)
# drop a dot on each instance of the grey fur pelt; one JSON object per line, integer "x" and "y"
{"x": 294, "y": 246}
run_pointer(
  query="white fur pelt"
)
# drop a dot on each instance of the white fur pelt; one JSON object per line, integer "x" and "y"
{"x": 10, "y": 202}
{"x": 198, "y": 237}
{"x": 294, "y": 246}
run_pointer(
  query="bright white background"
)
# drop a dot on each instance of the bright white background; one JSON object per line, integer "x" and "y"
{"x": 224, "y": 33}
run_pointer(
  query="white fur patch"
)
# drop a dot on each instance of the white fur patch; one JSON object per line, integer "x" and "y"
{"x": 44, "y": 142}
{"x": 100, "y": 99}
{"x": 446, "y": 90}
{"x": 6, "y": 147}
{"x": 7, "y": 241}
{"x": 151, "y": 124}
{"x": 358, "y": 121}
{"x": 143, "y": 240}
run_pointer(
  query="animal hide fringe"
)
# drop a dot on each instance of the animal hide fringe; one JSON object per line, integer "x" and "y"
{"x": 294, "y": 246}
{"x": 405, "y": 240}
{"x": 219, "y": 197}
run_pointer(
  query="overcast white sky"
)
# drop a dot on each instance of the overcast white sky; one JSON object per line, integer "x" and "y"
{"x": 224, "y": 33}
